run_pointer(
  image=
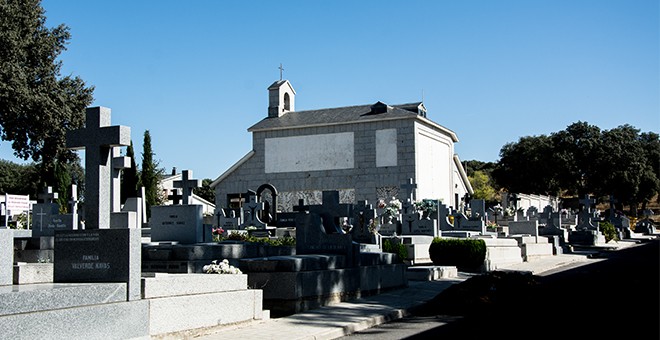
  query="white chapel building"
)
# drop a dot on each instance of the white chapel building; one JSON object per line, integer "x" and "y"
{"x": 366, "y": 152}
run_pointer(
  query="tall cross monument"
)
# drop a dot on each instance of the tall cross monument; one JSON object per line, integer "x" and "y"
{"x": 98, "y": 138}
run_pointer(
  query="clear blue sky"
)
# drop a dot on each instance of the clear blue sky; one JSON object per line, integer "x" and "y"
{"x": 195, "y": 73}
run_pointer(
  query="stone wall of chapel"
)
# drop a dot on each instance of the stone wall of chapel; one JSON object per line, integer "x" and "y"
{"x": 365, "y": 181}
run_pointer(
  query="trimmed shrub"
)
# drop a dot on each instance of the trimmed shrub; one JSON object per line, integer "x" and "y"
{"x": 397, "y": 248}
{"x": 466, "y": 254}
{"x": 609, "y": 231}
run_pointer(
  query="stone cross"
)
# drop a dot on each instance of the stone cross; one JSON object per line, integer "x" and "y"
{"x": 251, "y": 213}
{"x": 119, "y": 163}
{"x": 408, "y": 220}
{"x": 97, "y": 138}
{"x": 613, "y": 202}
{"x": 331, "y": 209}
{"x": 587, "y": 202}
{"x": 174, "y": 196}
{"x": 41, "y": 215}
{"x": 187, "y": 184}
{"x": 48, "y": 195}
{"x": 410, "y": 189}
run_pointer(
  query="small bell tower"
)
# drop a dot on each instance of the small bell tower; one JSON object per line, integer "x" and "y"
{"x": 281, "y": 97}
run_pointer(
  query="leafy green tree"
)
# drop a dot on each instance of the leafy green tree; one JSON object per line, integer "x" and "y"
{"x": 150, "y": 175}
{"x": 573, "y": 153}
{"x": 481, "y": 183}
{"x": 131, "y": 178}
{"x": 624, "y": 167}
{"x": 19, "y": 179}
{"x": 205, "y": 191}
{"x": 650, "y": 185}
{"x": 524, "y": 166}
{"x": 37, "y": 105}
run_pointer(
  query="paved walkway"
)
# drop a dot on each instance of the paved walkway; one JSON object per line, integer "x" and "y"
{"x": 344, "y": 318}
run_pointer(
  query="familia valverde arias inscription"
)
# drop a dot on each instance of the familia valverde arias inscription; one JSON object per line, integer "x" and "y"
{"x": 91, "y": 256}
{"x": 99, "y": 255}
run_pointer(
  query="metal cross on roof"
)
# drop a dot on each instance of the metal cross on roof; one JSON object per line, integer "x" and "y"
{"x": 281, "y": 69}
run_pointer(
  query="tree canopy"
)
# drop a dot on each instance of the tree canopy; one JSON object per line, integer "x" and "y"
{"x": 37, "y": 104}
{"x": 581, "y": 160}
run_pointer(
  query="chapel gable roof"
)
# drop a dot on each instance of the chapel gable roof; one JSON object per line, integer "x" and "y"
{"x": 343, "y": 115}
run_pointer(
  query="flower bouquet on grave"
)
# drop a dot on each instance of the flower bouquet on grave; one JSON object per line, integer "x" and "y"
{"x": 391, "y": 209}
{"x": 218, "y": 234}
{"x": 221, "y": 268}
{"x": 426, "y": 207}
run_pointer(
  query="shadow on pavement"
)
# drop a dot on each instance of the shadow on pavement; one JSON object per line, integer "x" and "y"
{"x": 616, "y": 297}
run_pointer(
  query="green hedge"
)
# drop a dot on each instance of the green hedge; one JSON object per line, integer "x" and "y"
{"x": 396, "y": 248}
{"x": 465, "y": 254}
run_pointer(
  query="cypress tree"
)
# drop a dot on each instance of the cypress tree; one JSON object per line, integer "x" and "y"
{"x": 150, "y": 175}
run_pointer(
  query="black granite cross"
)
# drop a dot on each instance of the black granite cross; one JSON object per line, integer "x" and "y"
{"x": 187, "y": 184}
{"x": 48, "y": 195}
{"x": 587, "y": 202}
{"x": 174, "y": 196}
{"x": 410, "y": 189}
{"x": 330, "y": 211}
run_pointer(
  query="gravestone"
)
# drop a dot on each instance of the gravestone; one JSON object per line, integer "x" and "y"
{"x": 443, "y": 218}
{"x": 586, "y": 232}
{"x": 364, "y": 215}
{"x": 227, "y": 219}
{"x": 98, "y": 253}
{"x": 330, "y": 211}
{"x": 97, "y": 138}
{"x": 269, "y": 214}
{"x": 177, "y": 223}
{"x": 646, "y": 226}
{"x": 586, "y": 215}
{"x": 312, "y": 238}
{"x": 106, "y": 255}
{"x": 390, "y": 227}
{"x": 251, "y": 212}
{"x": 410, "y": 187}
{"x": 47, "y": 218}
{"x": 180, "y": 223}
{"x": 478, "y": 208}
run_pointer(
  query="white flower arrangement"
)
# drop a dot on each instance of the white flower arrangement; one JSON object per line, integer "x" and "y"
{"x": 221, "y": 268}
{"x": 392, "y": 208}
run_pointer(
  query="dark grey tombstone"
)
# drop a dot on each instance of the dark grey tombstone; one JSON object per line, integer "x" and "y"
{"x": 330, "y": 211}
{"x": 99, "y": 255}
{"x": 311, "y": 238}
{"x": 443, "y": 218}
{"x": 251, "y": 212}
{"x": 363, "y": 215}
